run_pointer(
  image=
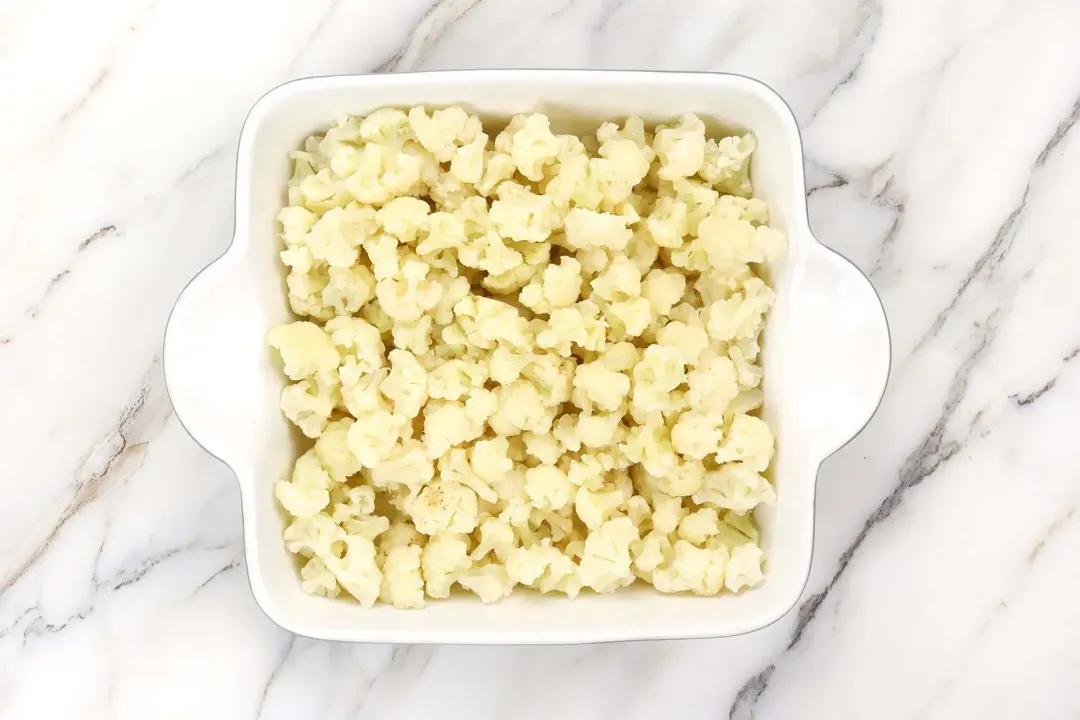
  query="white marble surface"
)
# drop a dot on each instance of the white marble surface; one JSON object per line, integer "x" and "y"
{"x": 945, "y": 160}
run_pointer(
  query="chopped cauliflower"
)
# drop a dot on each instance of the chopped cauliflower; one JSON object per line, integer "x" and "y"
{"x": 524, "y": 358}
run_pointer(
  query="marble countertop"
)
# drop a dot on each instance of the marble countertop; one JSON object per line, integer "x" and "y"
{"x": 943, "y": 158}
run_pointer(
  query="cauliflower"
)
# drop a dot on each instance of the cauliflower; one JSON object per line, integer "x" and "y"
{"x": 444, "y": 506}
{"x": 527, "y": 361}
{"x": 605, "y": 564}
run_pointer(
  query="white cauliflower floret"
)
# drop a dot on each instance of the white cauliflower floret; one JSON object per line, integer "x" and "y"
{"x": 663, "y": 289}
{"x": 488, "y": 322}
{"x": 681, "y": 149}
{"x": 748, "y": 441}
{"x": 559, "y": 286}
{"x": 543, "y": 567}
{"x": 489, "y": 582}
{"x": 348, "y": 289}
{"x": 699, "y": 526}
{"x": 548, "y": 487}
{"x": 357, "y": 571}
{"x": 373, "y": 436}
{"x": 407, "y": 466}
{"x": 629, "y": 318}
{"x": 402, "y": 582}
{"x": 316, "y": 579}
{"x": 689, "y": 340}
{"x": 444, "y": 131}
{"x": 442, "y": 560}
{"x": 521, "y": 215}
{"x": 305, "y": 350}
{"x": 490, "y": 459}
{"x": 406, "y": 297}
{"x": 595, "y": 383}
{"x": 727, "y": 163}
{"x": 735, "y": 486}
{"x": 696, "y": 434}
{"x": 660, "y": 371}
{"x": 404, "y": 218}
{"x": 668, "y": 223}
{"x": 596, "y": 508}
{"x": 444, "y": 506}
{"x": 579, "y": 324}
{"x": 650, "y": 445}
{"x": 308, "y": 491}
{"x": 314, "y": 535}
{"x": 743, "y": 567}
{"x": 620, "y": 281}
{"x": 531, "y": 145}
{"x": 406, "y": 385}
{"x": 454, "y": 379}
{"x": 713, "y": 385}
{"x": 589, "y": 229}
{"x": 605, "y": 564}
{"x": 497, "y": 537}
{"x": 694, "y": 569}
{"x": 448, "y": 424}
{"x": 599, "y": 431}
{"x": 545, "y": 448}
{"x": 521, "y": 408}
{"x": 309, "y": 405}
{"x": 333, "y": 452}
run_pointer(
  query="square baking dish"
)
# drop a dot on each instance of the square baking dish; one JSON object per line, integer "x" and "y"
{"x": 826, "y": 353}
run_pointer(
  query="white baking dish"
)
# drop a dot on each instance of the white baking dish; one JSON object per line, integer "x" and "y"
{"x": 826, "y": 355}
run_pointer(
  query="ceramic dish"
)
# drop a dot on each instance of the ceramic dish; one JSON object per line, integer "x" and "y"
{"x": 826, "y": 353}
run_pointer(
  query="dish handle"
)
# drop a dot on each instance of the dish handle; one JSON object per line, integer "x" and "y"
{"x": 843, "y": 347}
{"x": 200, "y": 360}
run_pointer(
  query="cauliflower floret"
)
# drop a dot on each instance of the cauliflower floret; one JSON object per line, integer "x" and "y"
{"x": 663, "y": 289}
{"x": 442, "y": 560}
{"x": 595, "y": 383}
{"x": 548, "y": 487}
{"x": 448, "y": 424}
{"x": 490, "y": 583}
{"x": 727, "y": 163}
{"x": 596, "y": 508}
{"x": 445, "y": 131}
{"x": 629, "y": 318}
{"x": 589, "y": 229}
{"x": 650, "y": 445}
{"x": 305, "y": 350}
{"x": 660, "y": 371}
{"x": 490, "y": 459}
{"x": 696, "y": 434}
{"x": 519, "y": 214}
{"x": 748, "y": 441}
{"x": 497, "y": 537}
{"x": 406, "y": 297}
{"x": 404, "y": 218}
{"x": 620, "y": 281}
{"x": 713, "y": 385}
{"x": 406, "y": 385}
{"x": 743, "y": 567}
{"x": 699, "y": 526}
{"x": 356, "y": 570}
{"x": 309, "y": 405}
{"x": 402, "y": 583}
{"x": 580, "y": 324}
{"x": 453, "y": 379}
{"x": 444, "y": 506}
{"x": 668, "y": 223}
{"x": 699, "y": 570}
{"x": 531, "y": 145}
{"x": 559, "y": 286}
{"x": 521, "y": 408}
{"x": 681, "y": 149}
{"x": 308, "y": 491}
{"x": 599, "y": 431}
{"x": 407, "y": 466}
{"x": 487, "y": 321}
{"x": 314, "y": 535}
{"x": 689, "y": 340}
{"x": 545, "y": 448}
{"x": 605, "y": 564}
{"x": 373, "y": 436}
{"x": 316, "y": 579}
{"x": 735, "y": 486}
{"x": 543, "y": 567}
{"x": 348, "y": 289}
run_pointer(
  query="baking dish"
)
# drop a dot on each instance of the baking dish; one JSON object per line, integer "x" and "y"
{"x": 826, "y": 356}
